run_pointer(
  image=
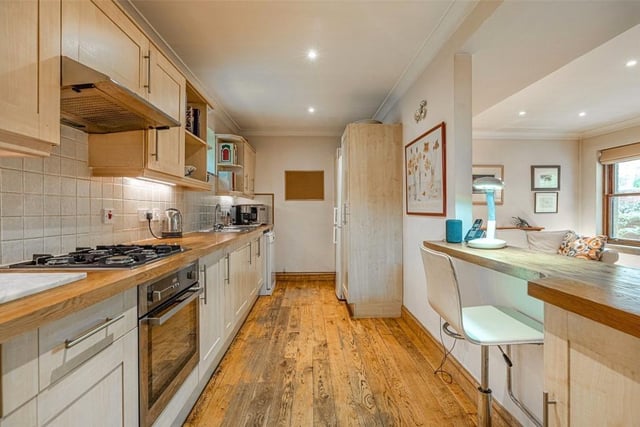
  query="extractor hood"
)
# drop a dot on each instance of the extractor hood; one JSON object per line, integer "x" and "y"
{"x": 93, "y": 102}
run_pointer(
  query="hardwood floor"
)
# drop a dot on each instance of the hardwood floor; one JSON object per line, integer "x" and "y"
{"x": 299, "y": 360}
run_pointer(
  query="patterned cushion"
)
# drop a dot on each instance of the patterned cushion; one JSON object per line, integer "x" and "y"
{"x": 582, "y": 247}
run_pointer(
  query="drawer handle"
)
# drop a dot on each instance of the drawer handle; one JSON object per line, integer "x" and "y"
{"x": 107, "y": 322}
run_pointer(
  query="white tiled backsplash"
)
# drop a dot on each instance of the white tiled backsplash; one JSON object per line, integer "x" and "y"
{"x": 53, "y": 205}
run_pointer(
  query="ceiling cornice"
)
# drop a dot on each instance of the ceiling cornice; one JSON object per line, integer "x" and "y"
{"x": 546, "y": 135}
{"x": 527, "y": 134}
{"x": 611, "y": 128}
{"x": 425, "y": 54}
{"x": 293, "y": 132}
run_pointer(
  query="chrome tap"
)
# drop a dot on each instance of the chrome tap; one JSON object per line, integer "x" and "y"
{"x": 217, "y": 223}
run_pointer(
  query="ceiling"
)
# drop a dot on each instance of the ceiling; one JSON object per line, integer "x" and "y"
{"x": 549, "y": 58}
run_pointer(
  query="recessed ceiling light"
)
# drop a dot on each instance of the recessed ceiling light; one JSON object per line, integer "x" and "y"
{"x": 631, "y": 63}
{"x": 582, "y": 113}
{"x": 311, "y": 110}
{"x": 312, "y": 54}
{"x": 522, "y": 113}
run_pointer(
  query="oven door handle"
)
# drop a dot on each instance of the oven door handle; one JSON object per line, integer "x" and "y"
{"x": 158, "y": 321}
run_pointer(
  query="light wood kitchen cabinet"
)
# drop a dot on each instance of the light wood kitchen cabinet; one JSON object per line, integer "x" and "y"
{"x": 239, "y": 278}
{"x": 211, "y": 312}
{"x": 30, "y": 84}
{"x": 249, "y": 170}
{"x": 236, "y": 172}
{"x": 19, "y": 366}
{"x": 167, "y": 90}
{"x": 590, "y": 371}
{"x": 240, "y": 264}
{"x": 196, "y": 137}
{"x": 101, "y": 392}
{"x": 259, "y": 261}
{"x": 76, "y": 371}
{"x": 98, "y": 34}
{"x": 371, "y": 219}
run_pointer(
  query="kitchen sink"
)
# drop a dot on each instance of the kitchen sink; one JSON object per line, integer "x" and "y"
{"x": 232, "y": 229}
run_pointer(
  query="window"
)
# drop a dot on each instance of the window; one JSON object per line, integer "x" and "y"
{"x": 622, "y": 194}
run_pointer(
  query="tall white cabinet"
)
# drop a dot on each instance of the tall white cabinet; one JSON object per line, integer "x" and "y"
{"x": 370, "y": 217}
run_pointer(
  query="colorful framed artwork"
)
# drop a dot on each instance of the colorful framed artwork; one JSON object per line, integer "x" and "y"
{"x": 481, "y": 171}
{"x": 425, "y": 173}
{"x": 545, "y": 178}
{"x": 545, "y": 202}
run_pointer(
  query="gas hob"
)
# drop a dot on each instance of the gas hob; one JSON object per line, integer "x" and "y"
{"x": 103, "y": 257}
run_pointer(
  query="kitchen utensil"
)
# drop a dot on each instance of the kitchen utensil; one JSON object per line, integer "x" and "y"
{"x": 173, "y": 223}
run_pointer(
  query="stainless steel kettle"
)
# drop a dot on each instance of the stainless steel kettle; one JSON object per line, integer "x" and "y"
{"x": 173, "y": 223}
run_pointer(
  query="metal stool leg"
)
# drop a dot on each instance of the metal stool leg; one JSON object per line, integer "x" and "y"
{"x": 484, "y": 392}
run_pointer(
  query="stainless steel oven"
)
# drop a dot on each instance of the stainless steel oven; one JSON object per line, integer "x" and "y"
{"x": 168, "y": 337}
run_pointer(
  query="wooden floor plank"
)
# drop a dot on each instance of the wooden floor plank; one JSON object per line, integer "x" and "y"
{"x": 300, "y": 360}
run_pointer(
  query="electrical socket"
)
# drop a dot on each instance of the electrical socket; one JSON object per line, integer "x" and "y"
{"x": 142, "y": 214}
{"x": 156, "y": 214}
{"x": 107, "y": 215}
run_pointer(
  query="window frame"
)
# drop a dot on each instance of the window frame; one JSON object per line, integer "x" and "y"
{"x": 609, "y": 196}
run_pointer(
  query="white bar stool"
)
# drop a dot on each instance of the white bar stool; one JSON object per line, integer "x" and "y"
{"x": 484, "y": 325}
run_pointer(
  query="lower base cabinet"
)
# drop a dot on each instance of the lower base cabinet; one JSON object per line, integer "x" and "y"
{"x": 591, "y": 371}
{"x": 62, "y": 375}
{"x": 45, "y": 382}
{"x": 211, "y": 313}
{"x": 102, "y": 392}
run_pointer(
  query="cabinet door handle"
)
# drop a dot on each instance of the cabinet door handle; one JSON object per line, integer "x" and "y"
{"x": 335, "y": 235}
{"x": 148, "y": 58}
{"x": 156, "y": 150}
{"x": 258, "y": 241}
{"x": 250, "y": 252}
{"x": 68, "y": 343}
{"x": 545, "y": 408}
{"x": 204, "y": 286}
{"x": 228, "y": 278}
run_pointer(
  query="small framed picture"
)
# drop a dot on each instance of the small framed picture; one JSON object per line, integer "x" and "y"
{"x": 545, "y": 202}
{"x": 545, "y": 178}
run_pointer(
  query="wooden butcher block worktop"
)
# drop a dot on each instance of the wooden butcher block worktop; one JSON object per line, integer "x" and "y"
{"x": 32, "y": 311}
{"x": 606, "y": 293}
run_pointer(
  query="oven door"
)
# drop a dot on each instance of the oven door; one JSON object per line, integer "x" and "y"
{"x": 168, "y": 352}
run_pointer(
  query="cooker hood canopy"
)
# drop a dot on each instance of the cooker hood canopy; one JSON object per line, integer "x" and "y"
{"x": 93, "y": 102}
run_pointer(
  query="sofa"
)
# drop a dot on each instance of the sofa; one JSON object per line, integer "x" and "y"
{"x": 569, "y": 243}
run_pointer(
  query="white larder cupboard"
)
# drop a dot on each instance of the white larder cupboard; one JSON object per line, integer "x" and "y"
{"x": 370, "y": 219}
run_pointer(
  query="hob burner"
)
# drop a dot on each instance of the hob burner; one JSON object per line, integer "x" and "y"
{"x": 103, "y": 256}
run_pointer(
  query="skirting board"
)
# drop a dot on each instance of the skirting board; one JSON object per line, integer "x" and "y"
{"x": 461, "y": 376}
{"x": 321, "y": 277}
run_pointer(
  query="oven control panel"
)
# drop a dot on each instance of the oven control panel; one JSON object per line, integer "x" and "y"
{"x": 154, "y": 294}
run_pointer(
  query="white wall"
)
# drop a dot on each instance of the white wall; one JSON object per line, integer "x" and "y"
{"x": 517, "y": 156}
{"x": 445, "y": 84}
{"x": 303, "y": 228}
{"x": 591, "y": 183}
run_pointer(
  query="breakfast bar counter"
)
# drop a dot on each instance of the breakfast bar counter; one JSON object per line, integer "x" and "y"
{"x": 605, "y": 293}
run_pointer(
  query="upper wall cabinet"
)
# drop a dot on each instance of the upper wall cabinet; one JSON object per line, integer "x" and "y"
{"x": 166, "y": 90}
{"x": 236, "y": 166}
{"x": 30, "y": 83}
{"x": 98, "y": 34}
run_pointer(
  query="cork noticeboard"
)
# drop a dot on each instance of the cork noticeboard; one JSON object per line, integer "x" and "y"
{"x": 304, "y": 185}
